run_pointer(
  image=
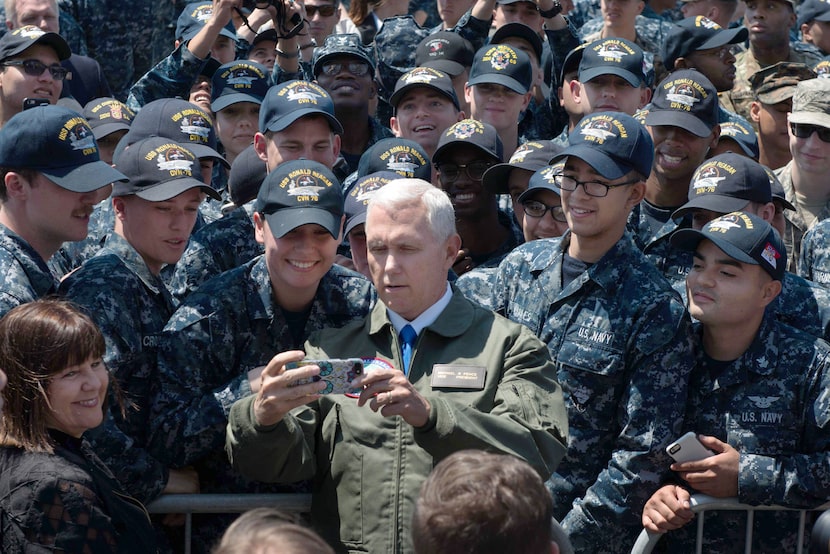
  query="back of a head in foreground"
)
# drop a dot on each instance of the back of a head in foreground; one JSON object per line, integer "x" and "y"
{"x": 269, "y": 531}
{"x": 482, "y": 503}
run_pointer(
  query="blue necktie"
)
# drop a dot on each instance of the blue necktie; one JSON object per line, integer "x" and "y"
{"x": 408, "y": 337}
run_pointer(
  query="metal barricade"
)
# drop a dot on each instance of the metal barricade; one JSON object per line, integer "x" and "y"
{"x": 190, "y": 504}
{"x": 701, "y": 503}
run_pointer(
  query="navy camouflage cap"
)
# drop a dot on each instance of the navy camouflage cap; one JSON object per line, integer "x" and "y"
{"x": 404, "y": 157}
{"x": 358, "y": 196}
{"x": 300, "y": 192}
{"x": 519, "y": 30}
{"x": 481, "y": 135}
{"x": 613, "y": 143}
{"x": 811, "y": 103}
{"x": 813, "y": 10}
{"x": 445, "y": 51}
{"x": 159, "y": 169}
{"x": 286, "y": 103}
{"x": 726, "y": 183}
{"x": 694, "y": 34}
{"x": 424, "y": 77}
{"x": 503, "y": 65}
{"x": 239, "y": 81}
{"x": 336, "y": 46}
{"x": 16, "y": 41}
{"x": 613, "y": 56}
{"x": 743, "y": 135}
{"x": 59, "y": 143}
{"x": 530, "y": 156}
{"x": 107, "y": 115}
{"x": 247, "y": 172}
{"x": 744, "y": 237}
{"x": 193, "y": 18}
{"x": 687, "y": 99}
{"x": 177, "y": 120}
{"x": 776, "y": 83}
{"x": 543, "y": 179}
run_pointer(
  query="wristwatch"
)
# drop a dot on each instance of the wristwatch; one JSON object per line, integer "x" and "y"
{"x": 553, "y": 12}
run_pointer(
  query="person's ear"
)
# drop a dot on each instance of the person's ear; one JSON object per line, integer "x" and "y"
{"x": 259, "y": 228}
{"x": 755, "y": 110}
{"x": 681, "y": 63}
{"x": 119, "y": 207}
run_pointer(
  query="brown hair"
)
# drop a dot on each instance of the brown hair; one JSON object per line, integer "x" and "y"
{"x": 474, "y": 501}
{"x": 38, "y": 340}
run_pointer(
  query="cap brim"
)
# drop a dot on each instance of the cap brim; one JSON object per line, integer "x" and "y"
{"x": 354, "y": 221}
{"x": 726, "y": 36}
{"x": 285, "y": 220}
{"x": 604, "y": 164}
{"x": 495, "y": 178}
{"x": 85, "y": 178}
{"x": 594, "y": 72}
{"x": 204, "y": 151}
{"x": 101, "y": 131}
{"x": 812, "y": 118}
{"x": 282, "y": 123}
{"x": 450, "y": 67}
{"x": 678, "y": 119}
{"x": 533, "y": 190}
{"x": 688, "y": 239}
{"x": 712, "y": 202}
{"x": 234, "y": 98}
{"x": 786, "y": 204}
{"x": 503, "y": 80}
{"x": 396, "y": 96}
{"x": 57, "y": 42}
{"x": 171, "y": 189}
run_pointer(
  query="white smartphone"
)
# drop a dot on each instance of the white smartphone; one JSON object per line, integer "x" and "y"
{"x": 688, "y": 449}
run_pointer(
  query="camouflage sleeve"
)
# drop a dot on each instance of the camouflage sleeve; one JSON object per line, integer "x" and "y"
{"x": 197, "y": 349}
{"x": 171, "y": 77}
{"x": 196, "y": 266}
{"x": 477, "y": 285}
{"x": 473, "y": 29}
{"x": 814, "y": 258}
{"x": 561, "y": 42}
{"x": 651, "y": 413}
{"x": 798, "y": 479}
{"x": 279, "y": 76}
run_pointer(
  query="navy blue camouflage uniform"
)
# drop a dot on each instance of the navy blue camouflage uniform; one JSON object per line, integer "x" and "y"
{"x": 620, "y": 338}
{"x": 25, "y": 275}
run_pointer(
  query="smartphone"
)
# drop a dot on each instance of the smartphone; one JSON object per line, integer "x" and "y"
{"x": 688, "y": 449}
{"x": 34, "y": 102}
{"x": 337, "y": 373}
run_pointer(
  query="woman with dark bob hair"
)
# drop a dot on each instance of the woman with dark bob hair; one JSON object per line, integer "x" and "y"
{"x": 54, "y": 491}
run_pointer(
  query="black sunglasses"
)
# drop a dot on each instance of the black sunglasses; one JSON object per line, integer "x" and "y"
{"x": 35, "y": 68}
{"x": 804, "y": 130}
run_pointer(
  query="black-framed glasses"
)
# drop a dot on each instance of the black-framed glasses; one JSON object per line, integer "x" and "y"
{"x": 592, "y": 188}
{"x": 356, "y": 68}
{"x": 449, "y": 172}
{"x": 804, "y": 130}
{"x": 536, "y": 209}
{"x": 35, "y": 68}
{"x": 324, "y": 11}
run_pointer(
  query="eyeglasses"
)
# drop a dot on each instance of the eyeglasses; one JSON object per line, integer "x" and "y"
{"x": 536, "y": 209}
{"x": 358, "y": 69}
{"x": 721, "y": 53}
{"x": 803, "y": 131}
{"x": 324, "y": 11}
{"x": 475, "y": 171}
{"x": 35, "y": 68}
{"x": 592, "y": 188}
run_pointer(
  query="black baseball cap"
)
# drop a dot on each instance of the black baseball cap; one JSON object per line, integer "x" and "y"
{"x": 725, "y": 183}
{"x": 193, "y": 18}
{"x": 59, "y": 143}
{"x": 238, "y": 81}
{"x": 743, "y": 135}
{"x": 743, "y": 237}
{"x": 687, "y": 99}
{"x": 299, "y": 192}
{"x": 813, "y": 10}
{"x": 404, "y": 157}
{"x": 358, "y": 196}
{"x": 519, "y": 30}
{"x": 159, "y": 169}
{"x": 247, "y": 173}
{"x": 107, "y": 115}
{"x": 531, "y": 156}
{"x": 503, "y": 65}
{"x": 542, "y": 179}
{"x": 286, "y": 103}
{"x": 345, "y": 44}
{"x": 420, "y": 77}
{"x": 613, "y": 56}
{"x": 470, "y": 131}
{"x": 697, "y": 33}
{"x": 16, "y": 41}
{"x": 613, "y": 143}
{"x": 445, "y": 51}
{"x": 572, "y": 61}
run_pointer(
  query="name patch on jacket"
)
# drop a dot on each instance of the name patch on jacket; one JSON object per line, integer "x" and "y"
{"x": 458, "y": 376}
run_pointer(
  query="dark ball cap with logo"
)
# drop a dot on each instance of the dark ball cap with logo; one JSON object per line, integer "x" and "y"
{"x": 159, "y": 169}
{"x": 404, "y": 157}
{"x": 530, "y": 156}
{"x": 743, "y": 135}
{"x": 503, "y": 65}
{"x": 519, "y": 30}
{"x": 482, "y": 136}
{"x": 744, "y": 237}
{"x": 300, "y": 192}
{"x": 694, "y": 34}
{"x": 286, "y": 103}
{"x": 613, "y": 56}
{"x": 687, "y": 99}
{"x": 543, "y": 179}
{"x": 106, "y": 116}
{"x": 177, "y": 120}
{"x": 725, "y": 183}
{"x": 613, "y": 143}
{"x": 445, "y": 51}
{"x": 424, "y": 77}
{"x": 813, "y": 10}
{"x": 193, "y": 18}
{"x": 58, "y": 143}
{"x": 239, "y": 81}
{"x": 15, "y": 42}
{"x": 336, "y": 46}
{"x": 358, "y": 196}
